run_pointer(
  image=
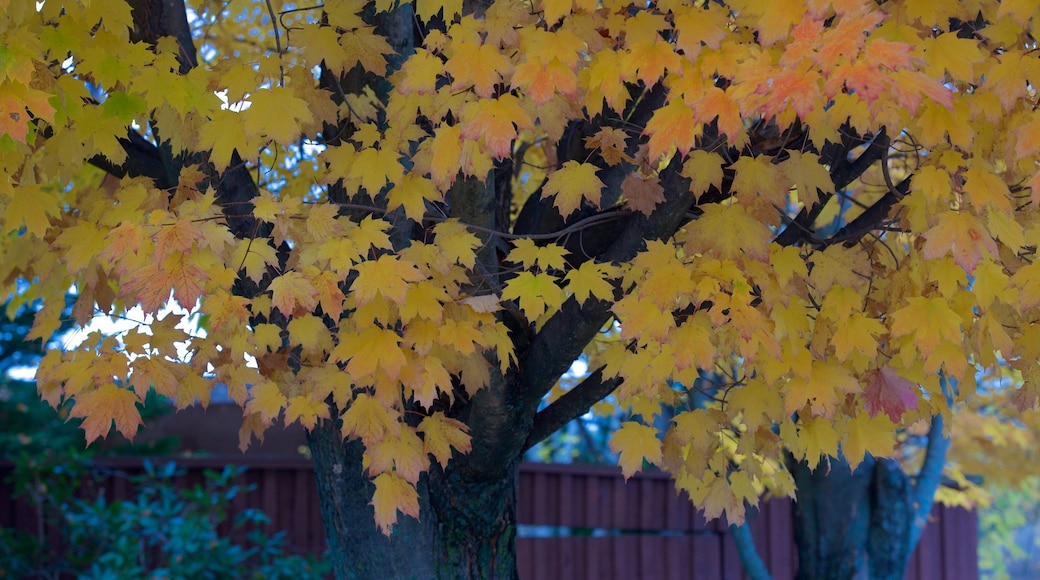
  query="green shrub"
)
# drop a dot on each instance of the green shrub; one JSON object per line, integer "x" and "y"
{"x": 162, "y": 532}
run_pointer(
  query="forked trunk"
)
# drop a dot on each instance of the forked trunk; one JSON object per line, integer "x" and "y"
{"x": 853, "y": 524}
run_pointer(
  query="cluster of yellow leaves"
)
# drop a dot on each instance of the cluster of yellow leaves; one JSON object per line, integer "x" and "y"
{"x": 837, "y": 346}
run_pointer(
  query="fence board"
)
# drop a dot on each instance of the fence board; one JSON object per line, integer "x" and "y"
{"x": 589, "y": 522}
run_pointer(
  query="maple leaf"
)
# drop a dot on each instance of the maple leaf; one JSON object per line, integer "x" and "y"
{"x": 962, "y": 235}
{"x": 727, "y": 231}
{"x": 496, "y": 121}
{"x": 822, "y": 390}
{"x": 531, "y": 255}
{"x": 887, "y": 391}
{"x": 591, "y": 280}
{"x": 634, "y": 443}
{"x": 481, "y": 66}
{"x": 100, "y": 407}
{"x": 673, "y": 127}
{"x": 393, "y": 493}
{"x": 441, "y": 434}
{"x": 642, "y": 193}
{"x": 367, "y": 419}
{"x": 867, "y": 434}
{"x": 611, "y": 145}
{"x": 277, "y": 113}
{"x": 572, "y": 184}
{"x": 404, "y": 453}
{"x": 292, "y": 293}
{"x": 929, "y": 320}
{"x": 306, "y": 410}
{"x": 387, "y": 276}
{"x": 266, "y": 401}
{"x": 535, "y": 293}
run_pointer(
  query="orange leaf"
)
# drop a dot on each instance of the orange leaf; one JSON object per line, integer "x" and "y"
{"x": 108, "y": 403}
{"x": 642, "y": 193}
{"x": 963, "y": 236}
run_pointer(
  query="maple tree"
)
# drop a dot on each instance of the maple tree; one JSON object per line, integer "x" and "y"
{"x": 399, "y": 224}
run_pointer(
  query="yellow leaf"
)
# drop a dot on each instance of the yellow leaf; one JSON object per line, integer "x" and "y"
{"x": 372, "y": 348}
{"x": 728, "y": 232}
{"x": 393, "y": 494}
{"x": 865, "y": 434}
{"x": 362, "y": 46}
{"x": 267, "y": 401}
{"x": 305, "y": 410}
{"x": 496, "y": 121}
{"x": 929, "y": 320}
{"x": 478, "y": 66}
{"x": 591, "y": 280}
{"x": 704, "y": 169}
{"x": 817, "y": 438}
{"x": 531, "y": 255}
{"x": 635, "y": 443}
{"x": 535, "y": 293}
{"x": 276, "y": 113}
{"x": 310, "y": 332}
{"x": 825, "y": 387}
{"x": 292, "y": 293}
{"x": 404, "y": 453}
{"x": 367, "y": 419}
{"x": 672, "y": 127}
{"x": 808, "y": 175}
{"x": 387, "y": 276}
{"x": 441, "y": 434}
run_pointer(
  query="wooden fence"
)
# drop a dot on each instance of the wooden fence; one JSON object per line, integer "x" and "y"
{"x": 576, "y": 522}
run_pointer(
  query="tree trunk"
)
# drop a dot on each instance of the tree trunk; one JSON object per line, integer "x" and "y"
{"x": 467, "y": 527}
{"x": 357, "y": 549}
{"x": 476, "y": 523}
{"x": 853, "y": 524}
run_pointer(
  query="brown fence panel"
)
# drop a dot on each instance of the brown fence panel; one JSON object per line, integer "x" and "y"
{"x": 577, "y": 522}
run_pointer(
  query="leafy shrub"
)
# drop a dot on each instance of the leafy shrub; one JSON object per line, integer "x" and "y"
{"x": 162, "y": 532}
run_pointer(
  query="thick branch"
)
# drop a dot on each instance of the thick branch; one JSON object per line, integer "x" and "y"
{"x": 573, "y": 404}
{"x": 564, "y": 336}
{"x": 154, "y": 19}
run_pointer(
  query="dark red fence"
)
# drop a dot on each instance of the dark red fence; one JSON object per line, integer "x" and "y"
{"x": 577, "y": 522}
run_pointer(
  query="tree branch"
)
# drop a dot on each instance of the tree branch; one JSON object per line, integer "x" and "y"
{"x": 573, "y": 404}
{"x": 754, "y": 567}
{"x": 929, "y": 478}
{"x": 842, "y": 174}
{"x": 564, "y": 336}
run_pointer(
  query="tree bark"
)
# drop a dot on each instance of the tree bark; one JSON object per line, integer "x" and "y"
{"x": 855, "y": 525}
{"x": 357, "y": 549}
{"x": 467, "y": 527}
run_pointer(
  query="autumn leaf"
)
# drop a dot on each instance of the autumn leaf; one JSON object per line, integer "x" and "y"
{"x": 441, "y": 434}
{"x": 887, "y": 391}
{"x": 393, "y": 494}
{"x": 572, "y": 184}
{"x": 99, "y": 408}
{"x": 930, "y": 321}
{"x": 305, "y": 410}
{"x": 642, "y": 193}
{"x": 635, "y": 443}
